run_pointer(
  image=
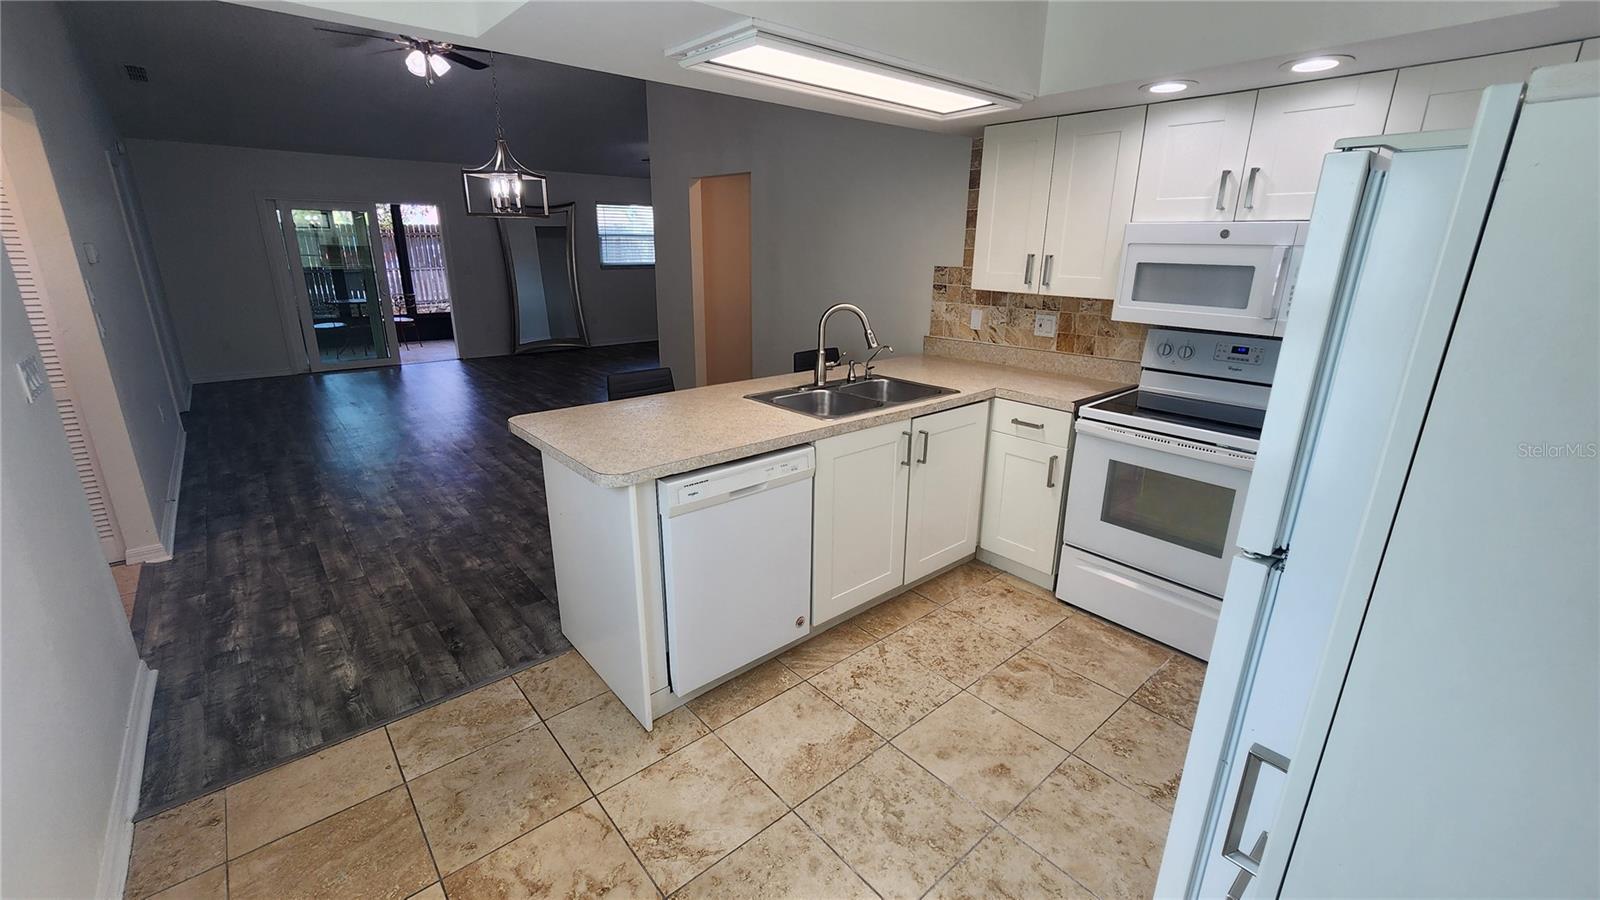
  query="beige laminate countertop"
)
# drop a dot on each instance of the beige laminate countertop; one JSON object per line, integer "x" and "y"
{"x": 633, "y": 441}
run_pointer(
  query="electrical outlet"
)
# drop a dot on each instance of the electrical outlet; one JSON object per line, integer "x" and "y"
{"x": 977, "y": 319}
{"x": 1044, "y": 324}
{"x": 31, "y": 368}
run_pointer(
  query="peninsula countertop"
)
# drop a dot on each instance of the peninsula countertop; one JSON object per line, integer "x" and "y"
{"x": 633, "y": 441}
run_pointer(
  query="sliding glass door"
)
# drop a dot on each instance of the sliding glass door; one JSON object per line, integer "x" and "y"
{"x": 345, "y": 312}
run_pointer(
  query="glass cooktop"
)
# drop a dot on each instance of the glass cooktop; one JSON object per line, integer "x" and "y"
{"x": 1224, "y": 418}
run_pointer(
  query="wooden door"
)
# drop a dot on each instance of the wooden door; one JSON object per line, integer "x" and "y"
{"x": 1091, "y": 200}
{"x": 1294, "y": 127}
{"x": 1022, "y": 489}
{"x": 946, "y": 494}
{"x": 1192, "y": 159}
{"x": 1013, "y": 193}
{"x": 719, "y": 226}
{"x": 859, "y": 518}
{"x": 1445, "y": 95}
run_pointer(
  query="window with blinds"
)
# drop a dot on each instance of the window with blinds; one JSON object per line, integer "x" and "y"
{"x": 627, "y": 234}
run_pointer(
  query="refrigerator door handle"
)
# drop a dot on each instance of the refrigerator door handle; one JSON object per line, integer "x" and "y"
{"x": 1346, "y": 195}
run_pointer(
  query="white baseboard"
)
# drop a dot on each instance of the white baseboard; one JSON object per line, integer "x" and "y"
{"x": 168, "y": 527}
{"x": 118, "y": 842}
{"x": 214, "y": 377}
{"x": 149, "y": 553}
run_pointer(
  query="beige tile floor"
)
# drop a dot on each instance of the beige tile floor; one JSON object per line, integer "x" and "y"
{"x": 971, "y": 739}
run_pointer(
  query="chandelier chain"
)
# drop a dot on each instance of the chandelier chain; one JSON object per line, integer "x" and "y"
{"x": 494, "y": 90}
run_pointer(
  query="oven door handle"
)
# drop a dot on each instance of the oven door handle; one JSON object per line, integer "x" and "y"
{"x": 1163, "y": 444}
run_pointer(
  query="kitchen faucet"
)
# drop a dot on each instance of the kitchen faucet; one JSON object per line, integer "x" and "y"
{"x": 820, "y": 373}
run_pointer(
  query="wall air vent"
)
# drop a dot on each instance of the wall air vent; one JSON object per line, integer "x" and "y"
{"x": 137, "y": 73}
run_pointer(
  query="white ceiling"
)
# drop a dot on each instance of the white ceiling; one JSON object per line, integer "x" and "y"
{"x": 227, "y": 74}
{"x": 1073, "y": 55}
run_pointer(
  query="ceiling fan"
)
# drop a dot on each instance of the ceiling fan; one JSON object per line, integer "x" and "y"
{"x": 426, "y": 59}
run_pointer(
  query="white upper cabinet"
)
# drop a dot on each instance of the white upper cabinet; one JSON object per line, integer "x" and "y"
{"x": 1193, "y": 152}
{"x": 946, "y": 491}
{"x": 1445, "y": 95}
{"x": 1013, "y": 194}
{"x": 1091, "y": 200}
{"x": 1294, "y": 127}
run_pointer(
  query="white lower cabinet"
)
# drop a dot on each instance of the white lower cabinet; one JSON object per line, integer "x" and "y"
{"x": 946, "y": 488}
{"x": 894, "y": 503}
{"x": 1024, "y": 483}
{"x": 859, "y": 518}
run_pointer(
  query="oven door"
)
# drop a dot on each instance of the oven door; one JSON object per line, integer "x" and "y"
{"x": 1175, "y": 278}
{"x": 1160, "y": 504}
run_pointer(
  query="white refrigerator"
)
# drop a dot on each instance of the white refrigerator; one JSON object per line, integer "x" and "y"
{"x": 1393, "y": 238}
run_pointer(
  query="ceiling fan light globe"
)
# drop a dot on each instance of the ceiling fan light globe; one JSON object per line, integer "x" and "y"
{"x": 439, "y": 64}
{"x": 417, "y": 63}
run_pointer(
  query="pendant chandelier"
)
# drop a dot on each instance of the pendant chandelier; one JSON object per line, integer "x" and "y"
{"x": 503, "y": 187}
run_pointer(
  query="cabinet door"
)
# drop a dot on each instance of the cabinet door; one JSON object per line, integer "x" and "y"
{"x": 1193, "y": 153}
{"x": 1022, "y": 490}
{"x": 859, "y": 518}
{"x": 946, "y": 488}
{"x": 1091, "y": 199}
{"x": 1295, "y": 126}
{"x": 1445, "y": 95}
{"x": 1589, "y": 50}
{"x": 1013, "y": 191}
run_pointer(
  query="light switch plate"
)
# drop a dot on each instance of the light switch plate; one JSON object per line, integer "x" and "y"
{"x": 31, "y": 368}
{"x": 977, "y": 319}
{"x": 1044, "y": 324}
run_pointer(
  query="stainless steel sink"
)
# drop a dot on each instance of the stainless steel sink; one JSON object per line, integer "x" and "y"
{"x": 891, "y": 391}
{"x": 849, "y": 398}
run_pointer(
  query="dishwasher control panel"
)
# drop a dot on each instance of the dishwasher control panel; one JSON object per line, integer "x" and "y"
{"x": 736, "y": 479}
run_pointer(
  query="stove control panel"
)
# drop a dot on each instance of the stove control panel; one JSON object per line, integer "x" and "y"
{"x": 1211, "y": 354}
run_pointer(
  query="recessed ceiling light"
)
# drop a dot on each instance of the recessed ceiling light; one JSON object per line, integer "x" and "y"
{"x": 753, "y": 54}
{"x": 1167, "y": 87}
{"x": 1317, "y": 63}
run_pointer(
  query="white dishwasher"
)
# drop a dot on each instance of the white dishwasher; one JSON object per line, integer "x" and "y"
{"x": 736, "y": 558}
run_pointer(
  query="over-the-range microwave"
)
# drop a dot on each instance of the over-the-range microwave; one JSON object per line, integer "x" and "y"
{"x": 1223, "y": 276}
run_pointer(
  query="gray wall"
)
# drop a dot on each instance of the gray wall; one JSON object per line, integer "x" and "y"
{"x": 67, "y": 662}
{"x": 40, "y": 67}
{"x": 202, "y": 203}
{"x": 840, "y": 209}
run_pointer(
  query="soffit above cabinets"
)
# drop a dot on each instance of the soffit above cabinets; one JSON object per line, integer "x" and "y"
{"x": 1069, "y": 55}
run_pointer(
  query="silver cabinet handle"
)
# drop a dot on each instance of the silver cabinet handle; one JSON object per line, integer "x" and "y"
{"x": 924, "y": 458}
{"x": 1050, "y": 475}
{"x": 909, "y": 439}
{"x": 1044, "y": 274}
{"x": 1027, "y": 424}
{"x": 1027, "y": 270}
{"x": 1250, "y": 188}
{"x": 1222, "y": 188}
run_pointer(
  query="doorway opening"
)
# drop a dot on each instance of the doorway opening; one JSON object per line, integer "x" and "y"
{"x": 419, "y": 286}
{"x": 719, "y": 248}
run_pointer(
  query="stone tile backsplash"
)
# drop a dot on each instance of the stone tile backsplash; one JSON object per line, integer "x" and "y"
{"x": 1083, "y": 326}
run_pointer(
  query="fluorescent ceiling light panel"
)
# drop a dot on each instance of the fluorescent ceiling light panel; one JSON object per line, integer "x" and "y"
{"x": 756, "y": 56}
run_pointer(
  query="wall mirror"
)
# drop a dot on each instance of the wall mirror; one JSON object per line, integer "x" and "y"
{"x": 542, "y": 272}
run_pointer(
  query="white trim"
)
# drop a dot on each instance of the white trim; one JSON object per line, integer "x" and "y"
{"x": 245, "y": 375}
{"x": 147, "y": 553}
{"x": 117, "y": 846}
{"x": 169, "y": 514}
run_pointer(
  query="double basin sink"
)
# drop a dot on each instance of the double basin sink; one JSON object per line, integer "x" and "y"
{"x": 848, "y": 398}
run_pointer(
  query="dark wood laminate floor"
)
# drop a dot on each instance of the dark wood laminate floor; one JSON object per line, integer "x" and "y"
{"x": 350, "y": 547}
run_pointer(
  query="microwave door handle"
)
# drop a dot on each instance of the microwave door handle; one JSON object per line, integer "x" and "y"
{"x": 1266, "y": 305}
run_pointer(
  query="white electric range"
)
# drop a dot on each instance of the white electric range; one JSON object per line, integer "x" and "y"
{"x": 1159, "y": 474}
